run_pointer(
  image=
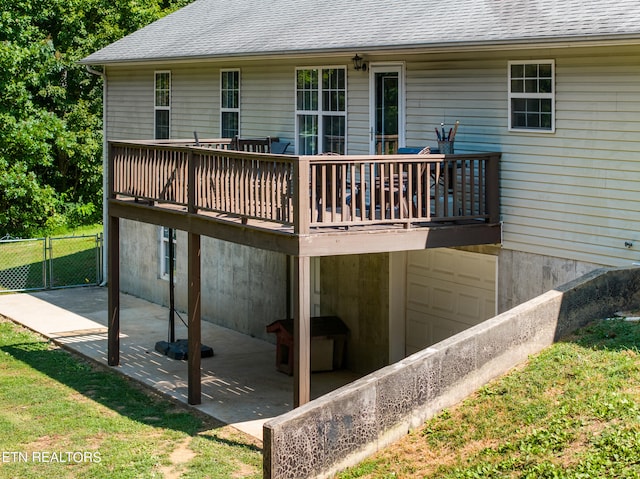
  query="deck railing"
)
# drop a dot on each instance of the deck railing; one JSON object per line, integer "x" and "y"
{"x": 308, "y": 192}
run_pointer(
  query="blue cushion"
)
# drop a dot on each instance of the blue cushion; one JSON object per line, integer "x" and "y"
{"x": 410, "y": 150}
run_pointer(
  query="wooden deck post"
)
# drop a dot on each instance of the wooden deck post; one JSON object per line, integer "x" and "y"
{"x": 113, "y": 292}
{"x": 194, "y": 327}
{"x": 301, "y": 204}
{"x": 302, "y": 330}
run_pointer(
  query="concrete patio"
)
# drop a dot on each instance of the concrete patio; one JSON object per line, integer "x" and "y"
{"x": 240, "y": 384}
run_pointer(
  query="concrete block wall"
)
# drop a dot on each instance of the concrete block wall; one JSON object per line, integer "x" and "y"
{"x": 342, "y": 428}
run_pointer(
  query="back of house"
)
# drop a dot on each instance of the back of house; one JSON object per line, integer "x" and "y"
{"x": 553, "y": 86}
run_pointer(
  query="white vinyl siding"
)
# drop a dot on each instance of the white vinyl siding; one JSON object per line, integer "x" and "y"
{"x": 196, "y": 101}
{"x": 267, "y": 101}
{"x": 129, "y": 103}
{"x": 586, "y": 180}
{"x": 572, "y": 194}
{"x": 358, "y": 108}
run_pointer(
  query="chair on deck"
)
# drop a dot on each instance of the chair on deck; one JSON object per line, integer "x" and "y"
{"x": 398, "y": 186}
{"x": 279, "y": 147}
{"x": 442, "y": 180}
{"x": 257, "y": 170}
{"x": 253, "y": 145}
{"x": 329, "y": 188}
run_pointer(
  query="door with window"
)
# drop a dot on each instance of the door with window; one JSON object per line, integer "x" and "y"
{"x": 386, "y": 86}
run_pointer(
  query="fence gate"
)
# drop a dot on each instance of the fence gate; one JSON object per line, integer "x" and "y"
{"x": 50, "y": 263}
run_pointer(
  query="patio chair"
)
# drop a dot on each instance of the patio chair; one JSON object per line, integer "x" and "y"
{"x": 397, "y": 186}
{"x": 324, "y": 197}
{"x": 253, "y": 145}
{"x": 279, "y": 147}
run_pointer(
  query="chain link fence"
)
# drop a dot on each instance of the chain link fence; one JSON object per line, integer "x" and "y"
{"x": 50, "y": 263}
{"x": 23, "y": 264}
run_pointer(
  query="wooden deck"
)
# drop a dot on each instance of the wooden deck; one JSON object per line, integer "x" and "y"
{"x": 302, "y": 206}
{"x": 308, "y": 205}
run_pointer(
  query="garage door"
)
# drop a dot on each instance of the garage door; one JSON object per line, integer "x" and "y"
{"x": 447, "y": 292}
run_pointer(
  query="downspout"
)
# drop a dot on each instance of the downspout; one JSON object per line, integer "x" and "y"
{"x": 105, "y": 175}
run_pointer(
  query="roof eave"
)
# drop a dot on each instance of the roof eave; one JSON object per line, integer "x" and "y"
{"x": 445, "y": 47}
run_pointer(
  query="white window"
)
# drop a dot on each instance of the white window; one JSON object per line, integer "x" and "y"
{"x": 162, "y": 105}
{"x": 321, "y": 110}
{"x": 229, "y": 103}
{"x": 164, "y": 252}
{"x": 532, "y": 95}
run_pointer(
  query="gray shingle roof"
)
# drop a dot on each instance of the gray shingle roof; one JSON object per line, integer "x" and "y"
{"x": 219, "y": 28}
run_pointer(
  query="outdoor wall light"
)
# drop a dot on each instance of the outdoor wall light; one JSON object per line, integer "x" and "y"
{"x": 359, "y": 64}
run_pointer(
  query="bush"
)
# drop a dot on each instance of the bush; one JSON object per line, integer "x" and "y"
{"x": 27, "y": 208}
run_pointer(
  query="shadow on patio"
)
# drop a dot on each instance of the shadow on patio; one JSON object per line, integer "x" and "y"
{"x": 240, "y": 384}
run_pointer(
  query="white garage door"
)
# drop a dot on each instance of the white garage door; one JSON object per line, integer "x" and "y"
{"x": 447, "y": 292}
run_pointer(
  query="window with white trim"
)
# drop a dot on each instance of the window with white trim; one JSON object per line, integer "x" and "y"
{"x": 321, "y": 110}
{"x": 164, "y": 252}
{"x": 229, "y": 103}
{"x": 532, "y": 95}
{"x": 162, "y": 105}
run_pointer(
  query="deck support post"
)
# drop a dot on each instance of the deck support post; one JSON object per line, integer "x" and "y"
{"x": 302, "y": 330}
{"x": 194, "y": 326}
{"x": 113, "y": 292}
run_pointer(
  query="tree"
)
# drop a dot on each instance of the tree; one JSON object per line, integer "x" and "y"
{"x": 51, "y": 107}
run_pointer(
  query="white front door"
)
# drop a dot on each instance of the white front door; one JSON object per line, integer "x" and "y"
{"x": 386, "y": 87}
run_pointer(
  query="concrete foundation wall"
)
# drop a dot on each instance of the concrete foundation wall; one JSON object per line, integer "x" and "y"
{"x": 522, "y": 276}
{"x": 243, "y": 288}
{"x": 356, "y": 289}
{"x": 140, "y": 264}
{"x": 344, "y": 427}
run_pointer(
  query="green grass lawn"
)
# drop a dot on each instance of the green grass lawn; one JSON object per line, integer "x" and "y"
{"x": 62, "y": 417}
{"x": 572, "y": 411}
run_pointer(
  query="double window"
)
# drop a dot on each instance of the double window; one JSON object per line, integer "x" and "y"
{"x": 229, "y": 103}
{"x": 321, "y": 110}
{"x": 162, "y": 105}
{"x": 531, "y": 95}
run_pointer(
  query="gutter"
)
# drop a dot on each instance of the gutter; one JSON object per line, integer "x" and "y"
{"x": 105, "y": 166}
